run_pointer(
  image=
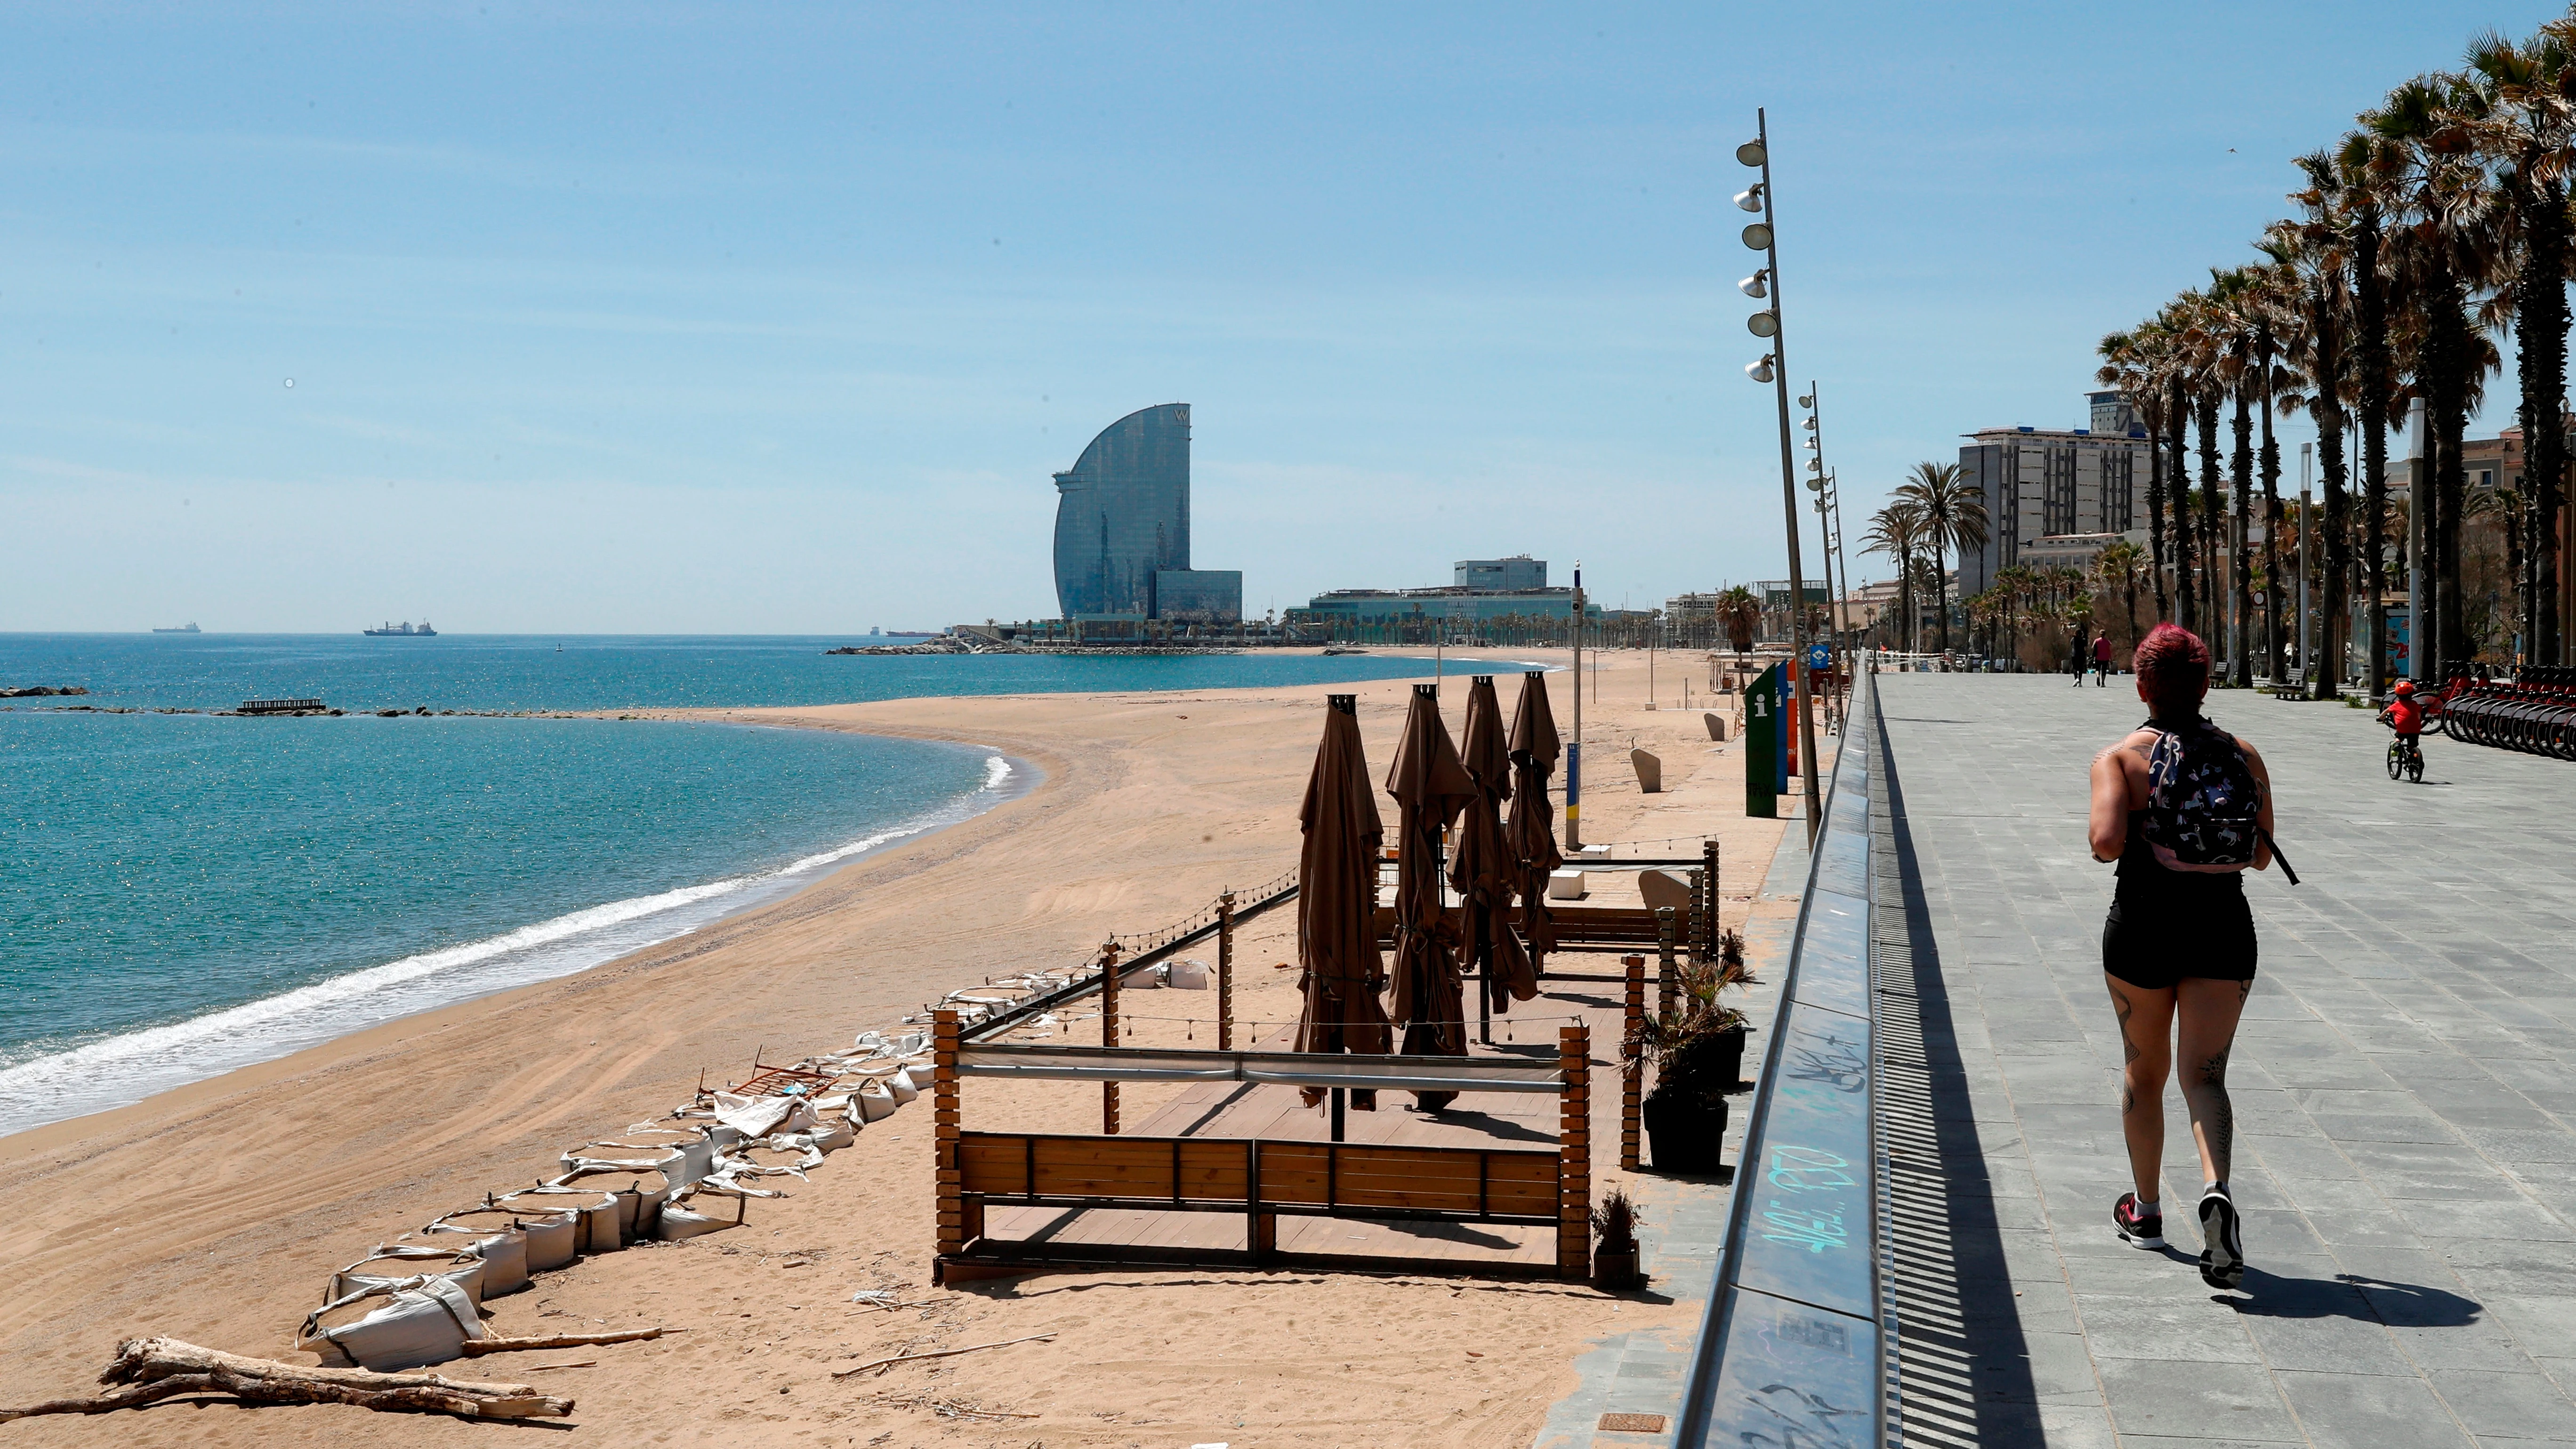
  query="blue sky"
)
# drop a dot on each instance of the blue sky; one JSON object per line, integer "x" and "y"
{"x": 743, "y": 319}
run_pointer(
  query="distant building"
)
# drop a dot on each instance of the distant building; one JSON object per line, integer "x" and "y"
{"x": 1466, "y": 607}
{"x": 1122, "y": 528}
{"x": 1518, "y": 572}
{"x": 2041, "y": 484}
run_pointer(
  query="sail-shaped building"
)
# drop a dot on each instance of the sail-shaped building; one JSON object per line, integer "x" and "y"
{"x": 1122, "y": 528}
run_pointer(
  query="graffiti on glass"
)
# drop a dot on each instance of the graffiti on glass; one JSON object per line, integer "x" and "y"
{"x": 1840, "y": 1063}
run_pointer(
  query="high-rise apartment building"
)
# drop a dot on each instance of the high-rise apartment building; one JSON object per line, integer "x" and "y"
{"x": 1122, "y": 528}
{"x": 2052, "y": 495}
{"x": 1518, "y": 572}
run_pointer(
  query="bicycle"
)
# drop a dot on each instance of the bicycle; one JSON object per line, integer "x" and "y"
{"x": 2406, "y": 757}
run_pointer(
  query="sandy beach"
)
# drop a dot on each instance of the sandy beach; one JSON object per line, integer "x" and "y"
{"x": 216, "y": 1212}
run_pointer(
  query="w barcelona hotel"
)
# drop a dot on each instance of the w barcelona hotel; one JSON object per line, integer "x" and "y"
{"x": 1122, "y": 529}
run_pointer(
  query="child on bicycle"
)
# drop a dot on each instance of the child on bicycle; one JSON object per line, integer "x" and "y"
{"x": 2405, "y": 717}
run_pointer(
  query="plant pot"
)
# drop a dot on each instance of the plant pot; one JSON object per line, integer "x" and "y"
{"x": 1726, "y": 1055}
{"x": 1682, "y": 1137}
{"x": 1614, "y": 1270}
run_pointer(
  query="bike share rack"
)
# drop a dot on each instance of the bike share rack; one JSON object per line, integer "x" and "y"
{"x": 2534, "y": 712}
{"x": 1798, "y": 1345}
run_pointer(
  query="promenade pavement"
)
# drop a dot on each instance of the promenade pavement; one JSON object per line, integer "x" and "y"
{"x": 2402, "y": 1085}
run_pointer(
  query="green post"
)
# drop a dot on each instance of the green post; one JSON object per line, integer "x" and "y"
{"x": 1762, "y": 741}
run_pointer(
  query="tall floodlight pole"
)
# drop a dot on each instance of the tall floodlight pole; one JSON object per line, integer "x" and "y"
{"x": 1574, "y": 747}
{"x": 1762, "y": 236}
{"x": 1819, "y": 482}
{"x": 2307, "y": 530}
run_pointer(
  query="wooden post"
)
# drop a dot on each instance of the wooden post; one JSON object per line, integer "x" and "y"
{"x": 1632, "y": 1061}
{"x": 1574, "y": 1155}
{"x": 951, "y": 1194}
{"x": 1694, "y": 911}
{"x": 1709, "y": 907}
{"x": 1109, "y": 1031}
{"x": 1667, "y": 971}
{"x": 1225, "y": 972}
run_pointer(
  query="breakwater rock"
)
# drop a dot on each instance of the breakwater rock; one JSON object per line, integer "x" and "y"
{"x": 41, "y": 691}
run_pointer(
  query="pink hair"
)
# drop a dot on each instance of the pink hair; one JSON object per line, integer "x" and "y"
{"x": 2173, "y": 669}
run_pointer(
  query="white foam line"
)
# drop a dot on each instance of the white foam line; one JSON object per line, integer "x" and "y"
{"x": 131, "y": 1066}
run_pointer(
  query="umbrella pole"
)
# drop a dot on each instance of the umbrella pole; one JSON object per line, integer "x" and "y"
{"x": 1337, "y": 1114}
{"x": 1484, "y": 925}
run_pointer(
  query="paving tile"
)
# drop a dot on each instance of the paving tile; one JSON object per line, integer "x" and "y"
{"x": 2520, "y": 1405}
{"x": 2195, "y": 1400}
{"x": 2349, "y": 1411}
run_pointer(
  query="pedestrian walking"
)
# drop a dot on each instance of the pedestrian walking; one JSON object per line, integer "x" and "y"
{"x": 2080, "y": 656}
{"x": 2101, "y": 661}
{"x": 2184, "y": 808}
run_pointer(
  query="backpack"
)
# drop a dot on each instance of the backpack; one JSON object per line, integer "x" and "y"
{"x": 2202, "y": 803}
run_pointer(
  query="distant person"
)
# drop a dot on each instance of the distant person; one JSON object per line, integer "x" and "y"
{"x": 2081, "y": 656}
{"x": 2184, "y": 807}
{"x": 2101, "y": 661}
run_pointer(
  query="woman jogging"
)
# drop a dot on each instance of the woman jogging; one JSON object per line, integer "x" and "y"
{"x": 2184, "y": 807}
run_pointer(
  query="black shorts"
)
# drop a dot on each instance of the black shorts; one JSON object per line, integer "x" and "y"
{"x": 2154, "y": 945}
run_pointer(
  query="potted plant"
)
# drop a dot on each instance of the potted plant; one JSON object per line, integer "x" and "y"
{"x": 1698, "y": 1052}
{"x": 1614, "y": 1257}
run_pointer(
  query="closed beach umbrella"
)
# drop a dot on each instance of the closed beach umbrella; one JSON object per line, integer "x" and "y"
{"x": 1430, "y": 788}
{"x": 1485, "y": 870}
{"x": 1532, "y": 828}
{"x": 1337, "y": 902}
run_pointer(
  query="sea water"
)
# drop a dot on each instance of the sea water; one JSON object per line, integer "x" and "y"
{"x": 185, "y": 894}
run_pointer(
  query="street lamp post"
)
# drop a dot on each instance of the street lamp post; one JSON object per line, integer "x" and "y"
{"x": 1762, "y": 236}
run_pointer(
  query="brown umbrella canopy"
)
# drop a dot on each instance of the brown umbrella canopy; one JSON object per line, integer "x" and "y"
{"x": 1430, "y": 788}
{"x": 1337, "y": 900}
{"x": 1485, "y": 869}
{"x": 1534, "y": 749}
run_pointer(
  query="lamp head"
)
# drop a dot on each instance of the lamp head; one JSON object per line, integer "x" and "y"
{"x": 1765, "y": 323}
{"x": 1750, "y": 198}
{"x": 1752, "y": 153}
{"x": 1758, "y": 237}
{"x": 1759, "y": 371}
{"x": 1757, "y": 286}
{"x": 1807, "y": 401}
{"x": 1809, "y": 424}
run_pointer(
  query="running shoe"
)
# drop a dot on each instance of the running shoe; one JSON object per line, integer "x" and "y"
{"x": 2222, "y": 1262}
{"x": 2138, "y": 1230}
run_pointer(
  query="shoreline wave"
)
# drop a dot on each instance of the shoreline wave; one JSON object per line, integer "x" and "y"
{"x": 126, "y": 1068}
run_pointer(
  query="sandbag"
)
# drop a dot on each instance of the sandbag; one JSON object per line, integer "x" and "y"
{"x": 392, "y": 1263}
{"x": 903, "y": 1087}
{"x": 640, "y": 1191}
{"x": 503, "y": 1249}
{"x": 697, "y": 1151}
{"x": 681, "y": 1219}
{"x": 757, "y": 1117}
{"x": 595, "y": 1212}
{"x": 873, "y": 1102}
{"x": 1188, "y": 976}
{"x": 552, "y": 1237}
{"x": 425, "y": 1320}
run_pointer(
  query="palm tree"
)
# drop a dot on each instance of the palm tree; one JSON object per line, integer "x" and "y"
{"x": 1896, "y": 530}
{"x": 2522, "y": 116}
{"x": 2116, "y": 568}
{"x": 2132, "y": 362}
{"x": 2317, "y": 252}
{"x": 1739, "y": 613}
{"x": 1954, "y": 521}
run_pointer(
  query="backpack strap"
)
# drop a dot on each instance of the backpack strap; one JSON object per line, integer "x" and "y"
{"x": 2278, "y": 858}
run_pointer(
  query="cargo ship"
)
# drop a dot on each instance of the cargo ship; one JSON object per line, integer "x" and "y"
{"x": 188, "y": 628}
{"x": 404, "y": 630}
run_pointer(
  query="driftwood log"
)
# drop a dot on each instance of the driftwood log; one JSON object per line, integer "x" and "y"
{"x": 152, "y": 1369}
{"x": 477, "y": 1347}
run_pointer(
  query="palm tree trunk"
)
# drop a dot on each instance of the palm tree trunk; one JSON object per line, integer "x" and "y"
{"x": 2240, "y": 568}
{"x": 2155, "y": 520}
{"x": 2370, "y": 360}
{"x": 2267, "y": 462}
{"x": 2450, "y": 364}
{"x": 2540, "y": 330}
{"x": 2327, "y": 411}
{"x": 2204, "y": 521}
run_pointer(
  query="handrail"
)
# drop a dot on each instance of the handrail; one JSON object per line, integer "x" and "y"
{"x": 1289, "y": 1069}
{"x": 1796, "y": 1345}
{"x": 1039, "y": 1005}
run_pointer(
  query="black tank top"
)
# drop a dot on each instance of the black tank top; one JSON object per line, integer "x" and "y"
{"x": 2145, "y": 882}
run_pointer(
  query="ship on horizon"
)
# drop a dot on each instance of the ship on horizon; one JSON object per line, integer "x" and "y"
{"x": 188, "y": 628}
{"x": 403, "y": 630}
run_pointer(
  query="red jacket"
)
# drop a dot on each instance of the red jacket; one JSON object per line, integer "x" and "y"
{"x": 2404, "y": 716}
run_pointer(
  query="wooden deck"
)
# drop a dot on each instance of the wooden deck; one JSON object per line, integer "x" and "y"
{"x": 1274, "y": 1113}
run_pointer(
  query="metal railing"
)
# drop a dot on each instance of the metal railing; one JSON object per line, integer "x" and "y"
{"x": 1798, "y": 1345}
